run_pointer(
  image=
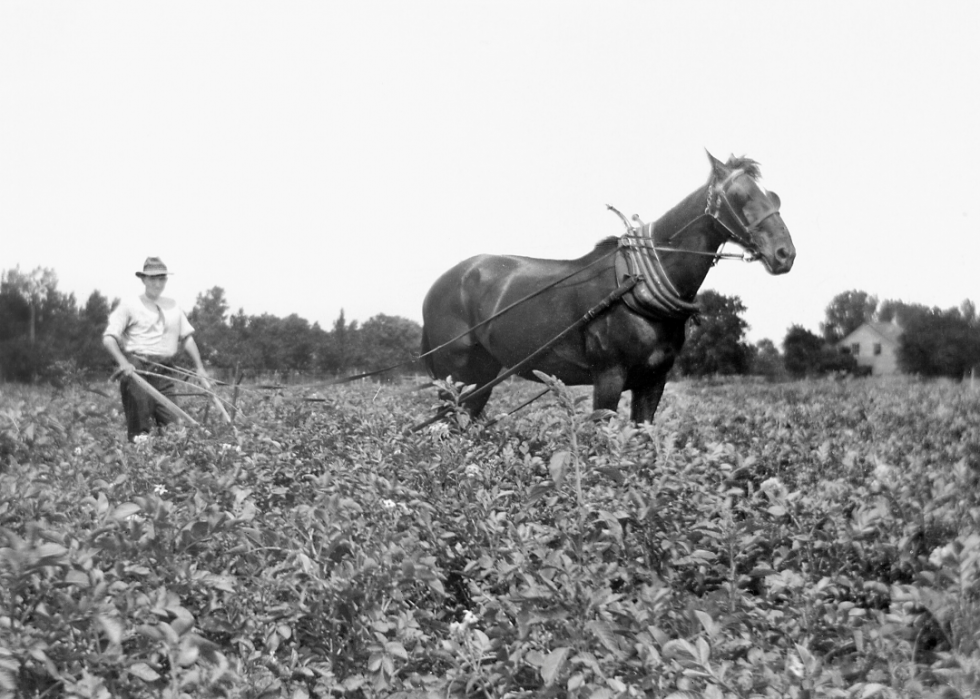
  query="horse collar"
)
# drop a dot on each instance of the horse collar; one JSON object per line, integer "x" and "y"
{"x": 654, "y": 294}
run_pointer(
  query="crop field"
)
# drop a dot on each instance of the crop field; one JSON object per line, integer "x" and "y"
{"x": 814, "y": 539}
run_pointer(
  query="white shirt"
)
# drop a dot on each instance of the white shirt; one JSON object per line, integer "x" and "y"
{"x": 141, "y": 326}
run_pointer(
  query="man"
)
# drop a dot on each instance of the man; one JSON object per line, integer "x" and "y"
{"x": 144, "y": 334}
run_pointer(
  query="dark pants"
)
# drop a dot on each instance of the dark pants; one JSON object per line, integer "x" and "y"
{"x": 143, "y": 411}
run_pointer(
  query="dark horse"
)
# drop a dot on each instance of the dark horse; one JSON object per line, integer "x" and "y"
{"x": 493, "y": 311}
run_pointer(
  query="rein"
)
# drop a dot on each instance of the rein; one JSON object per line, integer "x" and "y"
{"x": 589, "y": 315}
{"x": 466, "y": 332}
{"x": 642, "y": 241}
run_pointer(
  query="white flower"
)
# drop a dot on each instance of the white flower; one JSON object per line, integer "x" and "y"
{"x": 472, "y": 470}
{"x": 388, "y": 504}
{"x": 940, "y": 554}
{"x": 78, "y": 451}
{"x": 795, "y": 666}
{"x": 774, "y": 489}
{"x": 160, "y": 489}
{"x": 884, "y": 474}
{"x": 440, "y": 429}
{"x": 470, "y": 618}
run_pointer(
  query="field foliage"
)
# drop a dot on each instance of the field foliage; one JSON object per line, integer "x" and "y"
{"x": 787, "y": 540}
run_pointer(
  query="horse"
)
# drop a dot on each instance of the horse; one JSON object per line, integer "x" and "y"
{"x": 614, "y": 318}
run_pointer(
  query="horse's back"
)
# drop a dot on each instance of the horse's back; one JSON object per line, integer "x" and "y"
{"x": 483, "y": 285}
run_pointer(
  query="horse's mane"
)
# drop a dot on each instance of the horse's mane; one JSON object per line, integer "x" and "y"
{"x": 750, "y": 166}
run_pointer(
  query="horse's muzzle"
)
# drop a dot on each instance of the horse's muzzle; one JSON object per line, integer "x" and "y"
{"x": 781, "y": 260}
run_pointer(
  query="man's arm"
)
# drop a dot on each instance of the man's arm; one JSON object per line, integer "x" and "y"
{"x": 125, "y": 366}
{"x": 192, "y": 350}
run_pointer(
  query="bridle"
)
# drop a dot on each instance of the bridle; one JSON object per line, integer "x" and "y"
{"x": 718, "y": 197}
{"x": 741, "y": 232}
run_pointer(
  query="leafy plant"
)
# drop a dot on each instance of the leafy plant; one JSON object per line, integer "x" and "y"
{"x": 759, "y": 540}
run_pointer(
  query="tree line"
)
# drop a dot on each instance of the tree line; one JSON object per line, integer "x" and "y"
{"x": 934, "y": 342}
{"x": 46, "y": 335}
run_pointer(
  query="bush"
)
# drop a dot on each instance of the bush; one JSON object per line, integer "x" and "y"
{"x": 764, "y": 540}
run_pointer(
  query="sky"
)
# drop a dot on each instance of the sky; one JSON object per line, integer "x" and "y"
{"x": 309, "y": 157}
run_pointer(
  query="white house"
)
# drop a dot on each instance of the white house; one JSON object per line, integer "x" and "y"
{"x": 875, "y": 345}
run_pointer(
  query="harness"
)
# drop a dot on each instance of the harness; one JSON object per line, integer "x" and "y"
{"x": 655, "y": 296}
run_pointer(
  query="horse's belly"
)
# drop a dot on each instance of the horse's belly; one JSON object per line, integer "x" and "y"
{"x": 565, "y": 359}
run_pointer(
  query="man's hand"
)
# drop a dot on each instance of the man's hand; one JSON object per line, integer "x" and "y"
{"x": 126, "y": 369}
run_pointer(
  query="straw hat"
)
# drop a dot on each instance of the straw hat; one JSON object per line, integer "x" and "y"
{"x": 153, "y": 267}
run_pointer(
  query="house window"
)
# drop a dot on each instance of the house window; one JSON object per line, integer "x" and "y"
{"x": 856, "y": 349}
{"x": 877, "y": 348}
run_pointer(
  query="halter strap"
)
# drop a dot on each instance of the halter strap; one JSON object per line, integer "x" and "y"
{"x": 718, "y": 195}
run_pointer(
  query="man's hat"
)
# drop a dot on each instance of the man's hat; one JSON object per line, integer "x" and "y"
{"x": 153, "y": 267}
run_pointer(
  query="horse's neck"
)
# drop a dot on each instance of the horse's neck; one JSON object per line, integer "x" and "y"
{"x": 687, "y": 229}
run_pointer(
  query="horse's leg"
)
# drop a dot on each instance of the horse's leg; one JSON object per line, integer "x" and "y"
{"x": 607, "y": 388}
{"x": 647, "y": 398}
{"x": 481, "y": 369}
{"x": 470, "y": 364}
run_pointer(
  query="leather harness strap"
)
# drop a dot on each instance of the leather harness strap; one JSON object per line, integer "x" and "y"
{"x": 654, "y": 295}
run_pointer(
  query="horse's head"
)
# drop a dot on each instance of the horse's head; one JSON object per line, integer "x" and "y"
{"x": 748, "y": 213}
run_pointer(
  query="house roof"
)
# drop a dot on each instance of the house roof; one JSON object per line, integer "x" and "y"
{"x": 889, "y": 332}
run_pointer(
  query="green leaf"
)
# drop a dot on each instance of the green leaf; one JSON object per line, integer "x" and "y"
{"x": 188, "y": 654}
{"x": 77, "y": 577}
{"x": 540, "y": 490}
{"x": 144, "y": 672}
{"x": 50, "y": 554}
{"x": 552, "y": 665}
{"x": 112, "y": 627}
{"x": 680, "y": 648}
{"x": 124, "y": 511}
{"x": 557, "y": 467}
{"x": 707, "y": 623}
{"x": 396, "y": 649}
{"x": 606, "y": 634}
{"x": 601, "y": 415}
{"x": 872, "y": 688}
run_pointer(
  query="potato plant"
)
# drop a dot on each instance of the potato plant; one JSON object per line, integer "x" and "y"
{"x": 759, "y": 540}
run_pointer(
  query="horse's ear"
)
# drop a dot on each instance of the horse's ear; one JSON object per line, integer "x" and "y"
{"x": 719, "y": 170}
{"x": 774, "y": 198}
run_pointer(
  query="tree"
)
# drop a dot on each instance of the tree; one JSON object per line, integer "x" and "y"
{"x": 807, "y": 354}
{"x": 715, "y": 343}
{"x": 389, "y": 340}
{"x": 891, "y": 310}
{"x": 92, "y": 322}
{"x": 938, "y": 343}
{"x": 801, "y": 350}
{"x": 968, "y": 310}
{"x": 767, "y": 361}
{"x": 33, "y": 288}
{"x": 212, "y": 333}
{"x": 38, "y": 325}
{"x": 337, "y": 350}
{"x": 846, "y": 312}
{"x": 296, "y": 344}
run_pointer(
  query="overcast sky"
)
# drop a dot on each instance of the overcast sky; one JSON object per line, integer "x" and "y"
{"x": 313, "y": 157}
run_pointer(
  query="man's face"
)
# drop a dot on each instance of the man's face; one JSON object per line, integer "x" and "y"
{"x": 154, "y": 285}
